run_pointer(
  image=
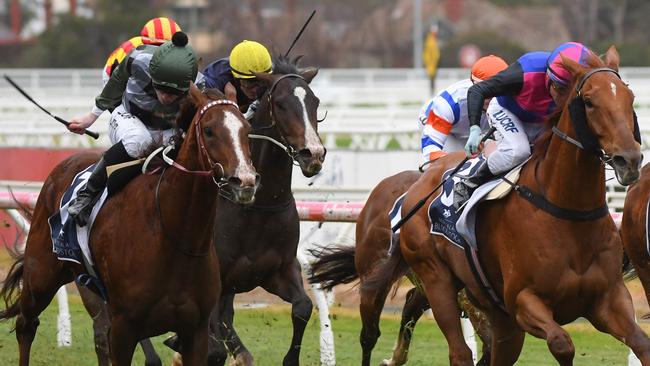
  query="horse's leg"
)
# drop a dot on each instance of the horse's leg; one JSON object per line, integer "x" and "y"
{"x": 416, "y": 304}
{"x": 123, "y": 341}
{"x": 536, "y": 318}
{"x": 371, "y": 304}
{"x": 99, "y": 314}
{"x": 226, "y": 329}
{"x": 614, "y": 314}
{"x": 195, "y": 345}
{"x": 442, "y": 294}
{"x": 43, "y": 275}
{"x": 481, "y": 326}
{"x": 507, "y": 340}
{"x": 289, "y": 286}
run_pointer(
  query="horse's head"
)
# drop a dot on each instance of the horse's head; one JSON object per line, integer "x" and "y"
{"x": 291, "y": 106}
{"x": 220, "y": 133}
{"x": 603, "y": 116}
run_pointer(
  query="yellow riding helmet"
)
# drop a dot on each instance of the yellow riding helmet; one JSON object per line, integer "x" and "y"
{"x": 159, "y": 30}
{"x": 248, "y": 57}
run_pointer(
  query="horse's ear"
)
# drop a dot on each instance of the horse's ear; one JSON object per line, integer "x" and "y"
{"x": 612, "y": 59}
{"x": 230, "y": 92}
{"x": 195, "y": 94}
{"x": 267, "y": 79}
{"x": 309, "y": 74}
{"x": 297, "y": 59}
{"x": 572, "y": 66}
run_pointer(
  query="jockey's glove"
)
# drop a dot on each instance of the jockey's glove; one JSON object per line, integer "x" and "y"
{"x": 251, "y": 110}
{"x": 473, "y": 141}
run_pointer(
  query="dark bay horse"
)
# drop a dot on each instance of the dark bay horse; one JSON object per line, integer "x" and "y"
{"x": 152, "y": 242}
{"x": 634, "y": 228}
{"x": 345, "y": 264}
{"x": 257, "y": 244}
{"x": 544, "y": 270}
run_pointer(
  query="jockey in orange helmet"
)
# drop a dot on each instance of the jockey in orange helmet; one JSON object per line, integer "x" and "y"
{"x": 444, "y": 118}
{"x": 155, "y": 32}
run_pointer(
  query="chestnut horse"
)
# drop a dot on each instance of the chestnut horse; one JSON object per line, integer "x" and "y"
{"x": 152, "y": 242}
{"x": 345, "y": 264}
{"x": 549, "y": 260}
{"x": 634, "y": 228}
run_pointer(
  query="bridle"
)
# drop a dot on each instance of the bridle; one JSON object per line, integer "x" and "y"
{"x": 284, "y": 145}
{"x": 586, "y": 139}
{"x": 218, "y": 178}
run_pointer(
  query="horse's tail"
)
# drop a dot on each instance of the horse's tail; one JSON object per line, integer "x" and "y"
{"x": 10, "y": 287}
{"x": 333, "y": 266}
{"x": 388, "y": 271}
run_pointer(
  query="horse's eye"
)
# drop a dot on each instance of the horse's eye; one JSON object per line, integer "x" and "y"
{"x": 207, "y": 131}
{"x": 588, "y": 103}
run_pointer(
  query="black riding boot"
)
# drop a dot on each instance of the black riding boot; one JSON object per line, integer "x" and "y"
{"x": 463, "y": 190}
{"x": 82, "y": 206}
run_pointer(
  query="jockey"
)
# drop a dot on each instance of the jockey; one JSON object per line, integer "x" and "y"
{"x": 143, "y": 95}
{"x": 526, "y": 92}
{"x": 444, "y": 117}
{"x": 235, "y": 74}
{"x": 155, "y": 32}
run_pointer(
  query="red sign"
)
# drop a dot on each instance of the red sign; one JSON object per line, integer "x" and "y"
{"x": 468, "y": 55}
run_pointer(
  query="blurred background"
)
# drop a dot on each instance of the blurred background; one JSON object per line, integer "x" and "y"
{"x": 361, "y": 33}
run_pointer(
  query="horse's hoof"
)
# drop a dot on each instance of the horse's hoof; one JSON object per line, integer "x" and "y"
{"x": 177, "y": 359}
{"x": 242, "y": 359}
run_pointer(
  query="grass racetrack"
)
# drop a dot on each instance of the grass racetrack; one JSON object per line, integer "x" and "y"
{"x": 267, "y": 332}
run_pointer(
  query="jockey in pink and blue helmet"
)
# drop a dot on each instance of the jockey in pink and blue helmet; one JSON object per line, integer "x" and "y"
{"x": 526, "y": 93}
{"x": 555, "y": 71}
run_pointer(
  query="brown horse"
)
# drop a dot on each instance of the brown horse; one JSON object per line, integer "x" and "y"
{"x": 345, "y": 264}
{"x": 550, "y": 264}
{"x": 152, "y": 242}
{"x": 634, "y": 228}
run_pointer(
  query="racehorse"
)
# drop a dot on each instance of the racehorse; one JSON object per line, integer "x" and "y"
{"x": 552, "y": 257}
{"x": 152, "y": 242}
{"x": 345, "y": 264}
{"x": 634, "y": 228}
{"x": 257, "y": 244}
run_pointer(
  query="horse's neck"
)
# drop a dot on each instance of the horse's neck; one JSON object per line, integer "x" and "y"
{"x": 275, "y": 167}
{"x": 571, "y": 177}
{"x": 187, "y": 201}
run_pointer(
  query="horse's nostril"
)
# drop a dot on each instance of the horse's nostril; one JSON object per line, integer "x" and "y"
{"x": 619, "y": 161}
{"x": 304, "y": 153}
{"x": 234, "y": 181}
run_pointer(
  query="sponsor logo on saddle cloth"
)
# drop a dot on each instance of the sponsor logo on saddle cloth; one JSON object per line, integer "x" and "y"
{"x": 450, "y": 223}
{"x": 70, "y": 241}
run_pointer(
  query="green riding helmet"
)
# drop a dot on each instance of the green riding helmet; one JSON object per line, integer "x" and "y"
{"x": 174, "y": 65}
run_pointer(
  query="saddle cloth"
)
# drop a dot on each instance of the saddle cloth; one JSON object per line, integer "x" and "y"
{"x": 70, "y": 241}
{"x": 445, "y": 220}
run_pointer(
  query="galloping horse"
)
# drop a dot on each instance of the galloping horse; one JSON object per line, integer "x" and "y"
{"x": 345, "y": 264}
{"x": 634, "y": 228}
{"x": 549, "y": 264}
{"x": 152, "y": 242}
{"x": 257, "y": 243}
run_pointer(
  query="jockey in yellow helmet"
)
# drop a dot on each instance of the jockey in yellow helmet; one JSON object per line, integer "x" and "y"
{"x": 236, "y": 73}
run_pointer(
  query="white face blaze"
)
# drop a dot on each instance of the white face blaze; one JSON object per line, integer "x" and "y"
{"x": 244, "y": 170}
{"x": 312, "y": 141}
{"x": 613, "y": 87}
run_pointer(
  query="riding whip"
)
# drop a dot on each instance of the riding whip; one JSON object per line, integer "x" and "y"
{"x": 94, "y": 135}
{"x": 424, "y": 200}
{"x": 300, "y": 33}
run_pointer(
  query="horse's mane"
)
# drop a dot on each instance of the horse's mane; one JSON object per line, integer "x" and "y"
{"x": 543, "y": 140}
{"x": 283, "y": 65}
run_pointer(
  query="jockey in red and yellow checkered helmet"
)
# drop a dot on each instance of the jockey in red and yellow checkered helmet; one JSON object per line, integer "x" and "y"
{"x": 116, "y": 57}
{"x": 159, "y": 30}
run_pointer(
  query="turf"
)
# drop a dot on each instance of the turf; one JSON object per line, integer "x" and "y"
{"x": 267, "y": 333}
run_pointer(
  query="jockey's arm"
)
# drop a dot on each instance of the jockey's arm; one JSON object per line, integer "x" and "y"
{"x": 507, "y": 82}
{"x": 111, "y": 95}
{"x": 434, "y": 134}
